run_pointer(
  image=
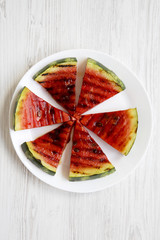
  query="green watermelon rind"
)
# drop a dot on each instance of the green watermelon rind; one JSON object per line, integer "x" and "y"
{"x": 128, "y": 149}
{"x": 34, "y": 160}
{"x": 52, "y": 64}
{"x": 115, "y": 77}
{"x": 16, "y": 106}
{"x": 83, "y": 178}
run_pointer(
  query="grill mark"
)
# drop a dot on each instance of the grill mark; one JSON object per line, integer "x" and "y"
{"x": 47, "y": 141}
{"x": 67, "y": 65}
{"x": 116, "y": 134}
{"x": 90, "y": 84}
{"x": 73, "y": 71}
{"x": 91, "y": 150}
{"x": 103, "y": 80}
{"x": 61, "y": 91}
{"x": 56, "y": 139}
{"x": 120, "y": 143}
{"x": 77, "y": 156}
{"x": 61, "y": 117}
{"x": 112, "y": 128}
{"x": 97, "y": 94}
{"x": 88, "y": 74}
{"x": 103, "y": 129}
{"x": 55, "y": 152}
{"x": 87, "y": 163}
{"x": 90, "y": 142}
{"x": 29, "y": 112}
{"x": 36, "y": 109}
{"x": 52, "y": 113}
{"x": 45, "y": 119}
{"x": 47, "y": 156}
{"x": 58, "y": 80}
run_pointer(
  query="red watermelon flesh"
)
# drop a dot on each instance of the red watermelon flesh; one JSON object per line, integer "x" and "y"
{"x": 32, "y": 111}
{"x": 48, "y": 148}
{"x": 99, "y": 84}
{"x": 117, "y": 128}
{"x": 87, "y": 160}
{"x": 59, "y": 80}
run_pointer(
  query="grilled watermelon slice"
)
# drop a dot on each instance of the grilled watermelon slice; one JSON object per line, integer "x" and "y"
{"x": 32, "y": 111}
{"x": 117, "y": 128}
{"x": 58, "y": 78}
{"x": 87, "y": 159}
{"x": 99, "y": 84}
{"x": 46, "y": 151}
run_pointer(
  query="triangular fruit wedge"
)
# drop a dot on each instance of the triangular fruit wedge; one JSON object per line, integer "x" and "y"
{"x": 117, "y": 128}
{"x": 32, "y": 111}
{"x": 46, "y": 151}
{"x": 59, "y": 78}
{"x": 99, "y": 84}
{"x": 87, "y": 160}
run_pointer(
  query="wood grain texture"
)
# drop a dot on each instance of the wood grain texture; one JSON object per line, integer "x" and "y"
{"x": 31, "y": 30}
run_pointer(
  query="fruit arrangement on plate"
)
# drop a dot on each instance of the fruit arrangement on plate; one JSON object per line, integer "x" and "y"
{"x": 88, "y": 161}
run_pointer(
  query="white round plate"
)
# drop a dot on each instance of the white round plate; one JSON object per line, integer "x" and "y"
{"x": 133, "y": 96}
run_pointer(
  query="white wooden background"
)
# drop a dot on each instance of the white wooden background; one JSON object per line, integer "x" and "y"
{"x": 33, "y": 29}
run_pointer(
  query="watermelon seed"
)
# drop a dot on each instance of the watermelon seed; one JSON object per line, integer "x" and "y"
{"x": 94, "y": 101}
{"x": 99, "y": 124}
{"x": 52, "y": 111}
{"x": 94, "y": 144}
{"x": 65, "y": 98}
{"x": 116, "y": 119}
{"x": 95, "y": 150}
{"x": 102, "y": 160}
{"x": 76, "y": 149}
{"x": 39, "y": 114}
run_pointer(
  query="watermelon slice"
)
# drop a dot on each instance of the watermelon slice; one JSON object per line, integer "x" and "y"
{"x": 46, "y": 151}
{"x": 32, "y": 111}
{"x": 87, "y": 160}
{"x": 99, "y": 84}
{"x": 58, "y": 78}
{"x": 117, "y": 128}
